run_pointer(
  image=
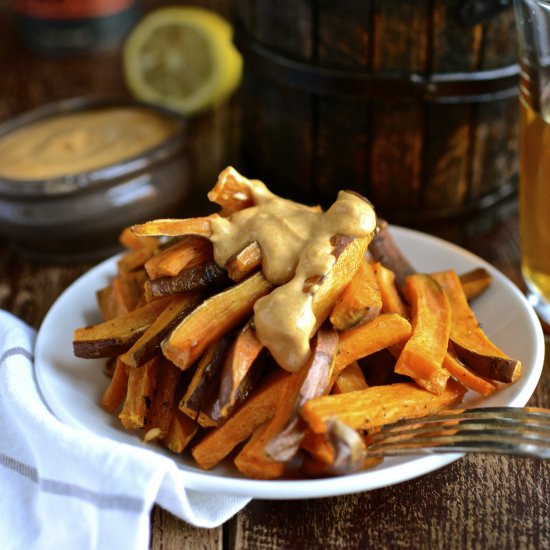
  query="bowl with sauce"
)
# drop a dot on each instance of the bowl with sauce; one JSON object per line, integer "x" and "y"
{"x": 74, "y": 173}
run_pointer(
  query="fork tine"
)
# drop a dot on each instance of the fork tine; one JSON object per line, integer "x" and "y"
{"x": 493, "y": 430}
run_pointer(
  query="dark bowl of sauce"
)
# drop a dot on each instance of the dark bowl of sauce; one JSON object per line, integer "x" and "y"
{"x": 74, "y": 173}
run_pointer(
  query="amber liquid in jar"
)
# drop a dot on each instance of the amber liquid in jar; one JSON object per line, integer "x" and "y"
{"x": 535, "y": 200}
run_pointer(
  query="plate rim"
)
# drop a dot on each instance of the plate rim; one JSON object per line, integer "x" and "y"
{"x": 208, "y": 482}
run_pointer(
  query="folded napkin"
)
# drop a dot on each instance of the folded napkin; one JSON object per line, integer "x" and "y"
{"x": 60, "y": 488}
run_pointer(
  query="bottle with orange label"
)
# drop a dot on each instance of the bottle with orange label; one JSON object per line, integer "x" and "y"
{"x": 61, "y": 27}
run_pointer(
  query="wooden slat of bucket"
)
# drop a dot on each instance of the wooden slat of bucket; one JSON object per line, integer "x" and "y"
{"x": 447, "y": 156}
{"x": 338, "y": 162}
{"x": 398, "y": 126}
{"x": 495, "y": 140}
{"x": 279, "y": 118}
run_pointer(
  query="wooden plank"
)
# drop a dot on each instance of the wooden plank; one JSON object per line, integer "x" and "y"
{"x": 171, "y": 533}
{"x": 455, "y": 48}
{"x": 477, "y": 502}
{"x": 341, "y": 140}
{"x": 277, "y": 128}
{"x": 494, "y": 155}
{"x": 400, "y": 44}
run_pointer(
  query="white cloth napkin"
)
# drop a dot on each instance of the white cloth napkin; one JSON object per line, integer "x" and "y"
{"x": 60, "y": 488}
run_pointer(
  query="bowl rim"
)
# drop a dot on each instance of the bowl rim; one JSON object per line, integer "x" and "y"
{"x": 74, "y": 182}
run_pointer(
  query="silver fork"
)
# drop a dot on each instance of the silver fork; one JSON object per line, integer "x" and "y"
{"x": 500, "y": 430}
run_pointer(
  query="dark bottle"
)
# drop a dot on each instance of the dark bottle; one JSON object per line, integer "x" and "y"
{"x": 64, "y": 27}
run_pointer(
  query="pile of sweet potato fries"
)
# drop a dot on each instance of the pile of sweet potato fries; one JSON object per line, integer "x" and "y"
{"x": 187, "y": 369}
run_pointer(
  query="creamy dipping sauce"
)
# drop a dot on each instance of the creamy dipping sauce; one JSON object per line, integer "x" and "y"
{"x": 79, "y": 142}
{"x": 295, "y": 244}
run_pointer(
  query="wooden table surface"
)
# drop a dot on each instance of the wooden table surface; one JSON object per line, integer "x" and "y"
{"x": 477, "y": 502}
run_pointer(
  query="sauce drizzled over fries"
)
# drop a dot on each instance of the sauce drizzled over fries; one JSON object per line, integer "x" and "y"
{"x": 283, "y": 332}
{"x": 297, "y": 253}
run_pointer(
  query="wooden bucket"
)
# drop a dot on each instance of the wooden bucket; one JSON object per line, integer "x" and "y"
{"x": 411, "y": 103}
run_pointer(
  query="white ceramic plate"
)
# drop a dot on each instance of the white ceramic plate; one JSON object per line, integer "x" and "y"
{"x": 72, "y": 387}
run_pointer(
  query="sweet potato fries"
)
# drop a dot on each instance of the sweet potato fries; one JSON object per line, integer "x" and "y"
{"x": 199, "y": 337}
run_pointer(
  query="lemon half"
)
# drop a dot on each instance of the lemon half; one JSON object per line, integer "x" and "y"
{"x": 182, "y": 58}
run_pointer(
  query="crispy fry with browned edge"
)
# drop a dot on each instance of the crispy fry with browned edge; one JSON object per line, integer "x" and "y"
{"x": 123, "y": 295}
{"x": 134, "y": 259}
{"x": 473, "y": 381}
{"x": 357, "y": 342}
{"x": 244, "y": 262}
{"x": 243, "y": 352}
{"x": 350, "y": 379}
{"x": 181, "y": 432}
{"x": 377, "y": 405}
{"x": 207, "y": 371}
{"x": 131, "y": 241}
{"x": 360, "y": 302}
{"x": 385, "y": 250}
{"x": 391, "y": 299}
{"x": 159, "y": 415}
{"x": 212, "y": 415}
{"x": 148, "y": 344}
{"x": 265, "y": 455}
{"x": 213, "y": 318}
{"x": 183, "y": 253}
{"x": 232, "y": 192}
{"x": 470, "y": 342}
{"x": 114, "y": 394}
{"x": 475, "y": 282}
{"x": 422, "y": 356}
{"x": 255, "y": 411}
{"x": 168, "y": 227}
{"x": 116, "y": 336}
{"x": 199, "y": 277}
{"x": 141, "y": 383}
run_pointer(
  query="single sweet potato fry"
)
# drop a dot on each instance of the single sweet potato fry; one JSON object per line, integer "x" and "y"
{"x": 186, "y": 252}
{"x": 255, "y": 411}
{"x": 116, "y": 336}
{"x": 473, "y": 381}
{"x": 243, "y": 352}
{"x": 376, "y": 405}
{"x": 159, "y": 415}
{"x": 357, "y": 342}
{"x": 244, "y": 262}
{"x": 128, "y": 239}
{"x": 212, "y": 414}
{"x": 168, "y": 227}
{"x": 422, "y": 356}
{"x": 114, "y": 394}
{"x": 391, "y": 299}
{"x": 384, "y": 249}
{"x": 148, "y": 344}
{"x": 360, "y": 302}
{"x": 135, "y": 259}
{"x": 181, "y": 432}
{"x": 475, "y": 282}
{"x": 204, "y": 276}
{"x": 213, "y": 318}
{"x": 350, "y": 379}
{"x": 141, "y": 383}
{"x": 470, "y": 342}
{"x": 232, "y": 192}
{"x": 205, "y": 377}
{"x": 123, "y": 295}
